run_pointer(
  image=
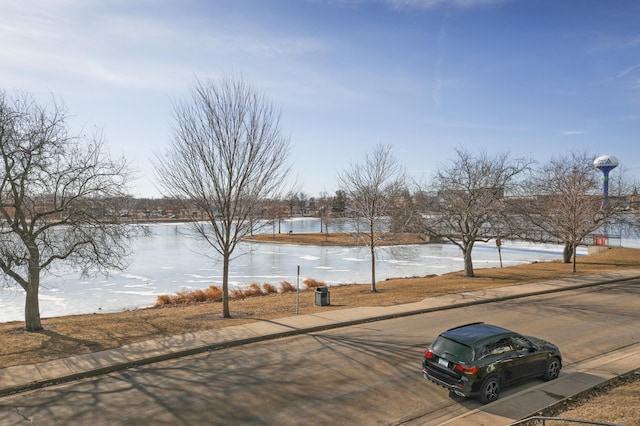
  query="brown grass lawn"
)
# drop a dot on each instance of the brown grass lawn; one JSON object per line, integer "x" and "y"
{"x": 614, "y": 403}
{"x": 79, "y": 334}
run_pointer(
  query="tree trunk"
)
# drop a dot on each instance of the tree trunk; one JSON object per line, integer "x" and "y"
{"x": 373, "y": 269}
{"x": 567, "y": 252}
{"x": 32, "y": 303}
{"x": 468, "y": 261}
{"x": 574, "y": 256}
{"x": 372, "y": 245}
{"x": 225, "y": 286}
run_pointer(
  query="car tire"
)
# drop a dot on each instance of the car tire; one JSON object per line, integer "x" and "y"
{"x": 490, "y": 390}
{"x": 553, "y": 369}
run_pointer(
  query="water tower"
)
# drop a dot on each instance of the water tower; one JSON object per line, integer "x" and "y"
{"x": 605, "y": 163}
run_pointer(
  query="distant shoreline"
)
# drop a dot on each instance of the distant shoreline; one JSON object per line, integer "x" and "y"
{"x": 339, "y": 239}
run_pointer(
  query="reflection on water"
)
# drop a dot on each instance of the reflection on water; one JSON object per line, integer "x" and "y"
{"x": 166, "y": 260}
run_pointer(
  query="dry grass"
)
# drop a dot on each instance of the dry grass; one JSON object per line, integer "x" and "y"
{"x": 287, "y": 287}
{"x": 615, "y": 403}
{"x": 214, "y": 294}
{"x": 312, "y": 284}
{"x": 269, "y": 288}
{"x": 211, "y": 294}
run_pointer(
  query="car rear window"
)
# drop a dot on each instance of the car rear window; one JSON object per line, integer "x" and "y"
{"x": 452, "y": 349}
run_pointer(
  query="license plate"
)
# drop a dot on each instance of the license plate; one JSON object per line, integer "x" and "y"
{"x": 443, "y": 362}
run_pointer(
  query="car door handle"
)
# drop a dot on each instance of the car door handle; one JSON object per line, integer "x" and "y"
{"x": 511, "y": 358}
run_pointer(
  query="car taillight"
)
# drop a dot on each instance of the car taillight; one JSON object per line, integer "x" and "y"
{"x": 466, "y": 370}
{"x": 428, "y": 354}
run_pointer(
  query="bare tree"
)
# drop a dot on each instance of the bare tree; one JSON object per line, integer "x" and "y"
{"x": 470, "y": 199}
{"x": 371, "y": 188}
{"x": 292, "y": 201}
{"x": 406, "y": 215}
{"x": 623, "y": 202}
{"x": 565, "y": 203}
{"x": 325, "y": 203}
{"x": 303, "y": 200}
{"x": 228, "y": 156}
{"x": 56, "y": 194}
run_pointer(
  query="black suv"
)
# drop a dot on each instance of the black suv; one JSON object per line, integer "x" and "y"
{"x": 476, "y": 360}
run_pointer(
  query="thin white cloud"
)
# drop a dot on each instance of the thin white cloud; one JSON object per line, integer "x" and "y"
{"x": 70, "y": 40}
{"x": 624, "y": 72}
{"x": 436, "y": 90}
{"x": 572, "y": 132}
{"x": 441, "y": 46}
{"x": 432, "y": 4}
{"x": 105, "y": 43}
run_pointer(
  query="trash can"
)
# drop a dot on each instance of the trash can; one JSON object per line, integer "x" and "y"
{"x": 322, "y": 296}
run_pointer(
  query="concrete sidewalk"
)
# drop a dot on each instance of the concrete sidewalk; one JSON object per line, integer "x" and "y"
{"x": 572, "y": 381}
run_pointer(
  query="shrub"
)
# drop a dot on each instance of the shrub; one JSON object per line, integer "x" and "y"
{"x": 163, "y": 299}
{"x": 311, "y": 283}
{"x": 181, "y": 297}
{"x": 286, "y": 287}
{"x": 269, "y": 288}
{"x": 198, "y": 296}
{"x": 236, "y": 293}
{"x": 213, "y": 293}
{"x": 253, "y": 290}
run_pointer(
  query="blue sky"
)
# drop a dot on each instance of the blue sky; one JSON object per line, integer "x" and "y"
{"x": 536, "y": 78}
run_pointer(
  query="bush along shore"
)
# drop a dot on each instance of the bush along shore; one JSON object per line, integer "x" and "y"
{"x": 214, "y": 293}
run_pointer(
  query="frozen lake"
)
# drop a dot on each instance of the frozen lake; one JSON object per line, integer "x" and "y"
{"x": 165, "y": 261}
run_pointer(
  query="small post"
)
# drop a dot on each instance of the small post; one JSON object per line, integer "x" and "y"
{"x": 298, "y": 292}
{"x": 499, "y": 243}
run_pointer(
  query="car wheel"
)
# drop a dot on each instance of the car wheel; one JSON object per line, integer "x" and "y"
{"x": 490, "y": 390}
{"x": 553, "y": 369}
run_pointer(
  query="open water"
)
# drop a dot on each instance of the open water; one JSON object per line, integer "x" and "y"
{"x": 166, "y": 260}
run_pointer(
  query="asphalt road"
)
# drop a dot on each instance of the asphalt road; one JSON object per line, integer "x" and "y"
{"x": 366, "y": 374}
